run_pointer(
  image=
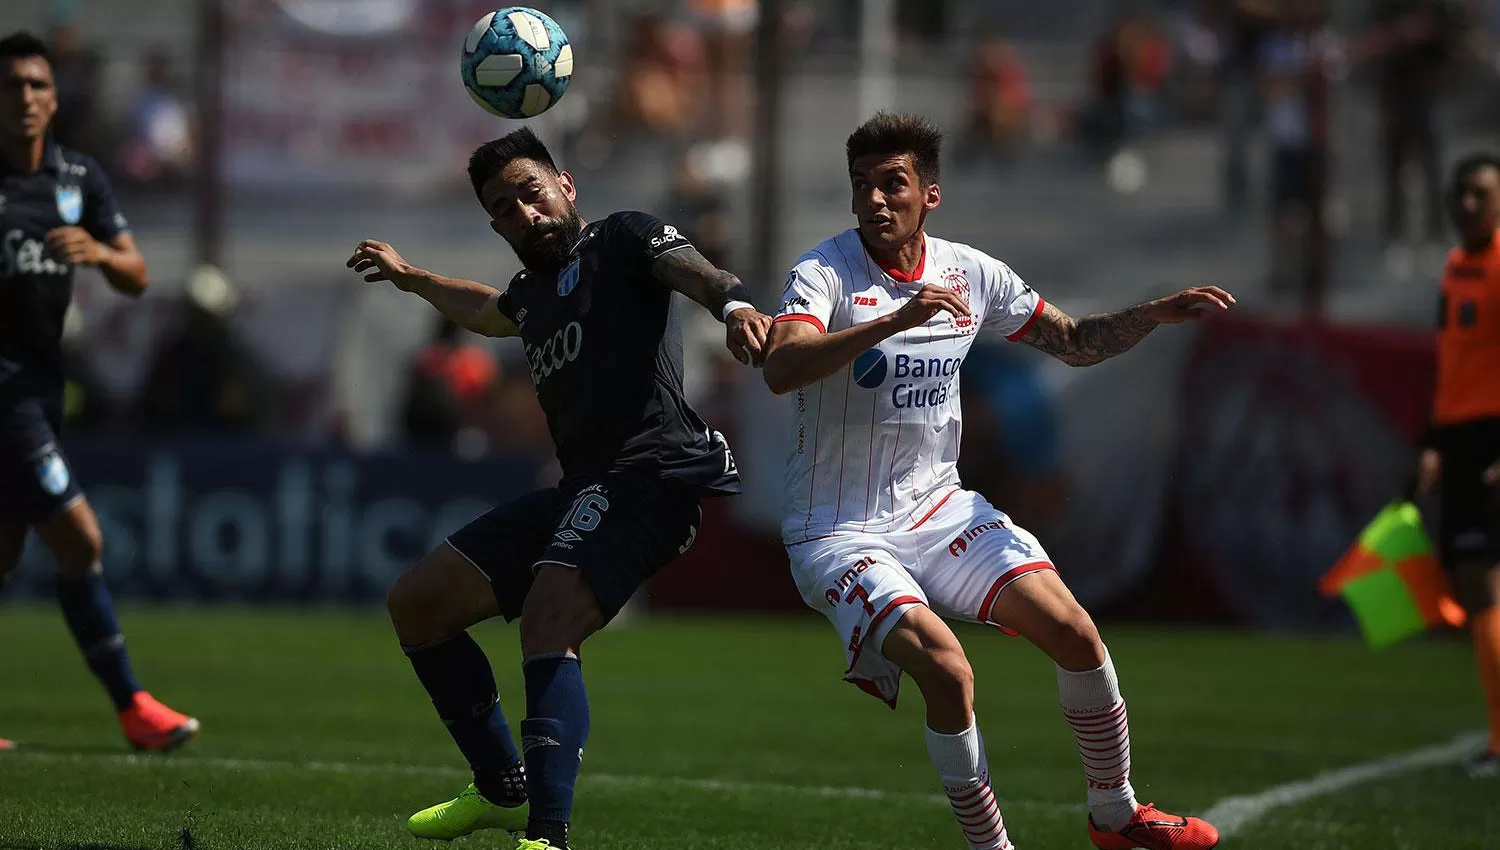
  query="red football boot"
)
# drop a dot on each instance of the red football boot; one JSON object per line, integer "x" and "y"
{"x": 1153, "y": 829}
{"x": 149, "y": 725}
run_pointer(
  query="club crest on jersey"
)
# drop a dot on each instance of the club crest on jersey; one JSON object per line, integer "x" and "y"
{"x": 52, "y": 474}
{"x": 70, "y": 204}
{"x": 957, "y": 280}
{"x": 567, "y": 279}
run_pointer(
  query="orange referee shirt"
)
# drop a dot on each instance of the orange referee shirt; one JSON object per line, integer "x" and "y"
{"x": 1468, "y": 339}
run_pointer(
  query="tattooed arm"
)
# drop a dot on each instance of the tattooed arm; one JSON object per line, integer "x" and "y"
{"x": 690, "y": 273}
{"x": 1094, "y": 339}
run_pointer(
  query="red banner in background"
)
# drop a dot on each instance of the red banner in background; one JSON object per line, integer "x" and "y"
{"x": 729, "y": 568}
{"x": 1292, "y": 436}
{"x": 333, "y": 96}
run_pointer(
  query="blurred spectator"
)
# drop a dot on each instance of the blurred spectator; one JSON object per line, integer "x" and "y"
{"x": 1000, "y": 102}
{"x": 659, "y": 79}
{"x": 1011, "y": 448}
{"x": 79, "y": 76}
{"x": 1244, "y": 26}
{"x": 1130, "y": 64}
{"x": 159, "y": 145}
{"x": 728, "y": 30}
{"x": 1414, "y": 46}
{"x": 513, "y": 420}
{"x": 700, "y": 208}
{"x": 204, "y": 376}
{"x": 449, "y": 385}
{"x": 1293, "y": 61}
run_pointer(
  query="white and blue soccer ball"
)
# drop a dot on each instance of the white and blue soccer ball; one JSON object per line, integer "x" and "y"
{"x": 516, "y": 62}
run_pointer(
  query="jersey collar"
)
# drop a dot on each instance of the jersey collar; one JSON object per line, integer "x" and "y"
{"x": 900, "y": 276}
{"x": 52, "y": 160}
{"x": 52, "y": 157}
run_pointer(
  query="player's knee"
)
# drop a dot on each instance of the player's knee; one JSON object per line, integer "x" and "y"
{"x": 1075, "y": 641}
{"x": 79, "y": 552}
{"x": 947, "y": 679}
{"x": 560, "y": 612}
{"x": 557, "y": 628}
{"x": 416, "y": 612}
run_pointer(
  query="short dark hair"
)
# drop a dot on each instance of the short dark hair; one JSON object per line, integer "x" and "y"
{"x": 492, "y": 157}
{"x": 23, "y": 45}
{"x": 892, "y": 135}
{"x": 1471, "y": 165}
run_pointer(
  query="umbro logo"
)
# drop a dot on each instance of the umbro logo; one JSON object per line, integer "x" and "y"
{"x": 568, "y": 535}
{"x": 521, "y": 315}
{"x": 530, "y": 741}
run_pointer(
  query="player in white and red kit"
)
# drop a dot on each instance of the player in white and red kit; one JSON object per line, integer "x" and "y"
{"x": 883, "y": 539}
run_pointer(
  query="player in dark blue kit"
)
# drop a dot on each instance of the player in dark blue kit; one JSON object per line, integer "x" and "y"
{"x": 594, "y": 308}
{"x": 57, "y": 211}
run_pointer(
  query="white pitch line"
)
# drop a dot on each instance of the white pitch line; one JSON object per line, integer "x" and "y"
{"x": 1232, "y": 814}
{"x": 728, "y": 786}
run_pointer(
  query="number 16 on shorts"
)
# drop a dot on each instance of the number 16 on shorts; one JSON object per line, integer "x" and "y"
{"x": 588, "y": 509}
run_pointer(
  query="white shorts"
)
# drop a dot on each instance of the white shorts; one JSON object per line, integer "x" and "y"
{"x": 956, "y": 561}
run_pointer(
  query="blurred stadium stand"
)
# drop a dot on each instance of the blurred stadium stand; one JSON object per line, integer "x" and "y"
{"x": 331, "y": 137}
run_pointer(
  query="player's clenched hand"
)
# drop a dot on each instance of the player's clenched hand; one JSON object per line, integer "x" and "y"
{"x": 930, "y": 300}
{"x": 378, "y": 261}
{"x": 74, "y": 245}
{"x": 1189, "y": 304}
{"x": 745, "y": 333}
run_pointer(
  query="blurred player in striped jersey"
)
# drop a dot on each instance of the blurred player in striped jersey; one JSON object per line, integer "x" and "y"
{"x": 883, "y": 539}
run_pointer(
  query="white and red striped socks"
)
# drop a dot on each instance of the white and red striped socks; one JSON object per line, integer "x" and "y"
{"x": 1091, "y": 701}
{"x": 961, "y": 764}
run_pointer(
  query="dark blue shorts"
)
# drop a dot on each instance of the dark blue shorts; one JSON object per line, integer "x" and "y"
{"x": 36, "y": 482}
{"x": 617, "y": 529}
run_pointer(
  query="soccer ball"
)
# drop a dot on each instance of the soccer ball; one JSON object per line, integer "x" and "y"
{"x": 516, "y": 62}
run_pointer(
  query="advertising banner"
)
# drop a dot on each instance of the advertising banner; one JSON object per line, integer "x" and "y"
{"x": 220, "y": 519}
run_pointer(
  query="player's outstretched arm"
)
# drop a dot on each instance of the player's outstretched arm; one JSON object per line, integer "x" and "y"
{"x": 799, "y": 354}
{"x": 118, "y": 259}
{"x": 470, "y": 304}
{"x": 722, "y": 294}
{"x": 1094, "y": 339}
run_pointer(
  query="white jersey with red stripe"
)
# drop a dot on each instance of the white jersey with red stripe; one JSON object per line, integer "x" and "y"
{"x": 876, "y": 443}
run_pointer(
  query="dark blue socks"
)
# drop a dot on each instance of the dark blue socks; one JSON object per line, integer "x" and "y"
{"x": 552, "y": 736}
{"x": 90, "y": 613}
{"x": 458, "y": 677}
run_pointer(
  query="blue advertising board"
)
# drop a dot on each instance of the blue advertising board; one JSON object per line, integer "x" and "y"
{"x": 223, "y": 519}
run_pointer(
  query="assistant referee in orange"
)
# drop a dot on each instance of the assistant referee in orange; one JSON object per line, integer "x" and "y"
{"x": 1462, "y": 457}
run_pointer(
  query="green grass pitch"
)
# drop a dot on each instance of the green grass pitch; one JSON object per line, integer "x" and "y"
{"x": 714, "y": 734}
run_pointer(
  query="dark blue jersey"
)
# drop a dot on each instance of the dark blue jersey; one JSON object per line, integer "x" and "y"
{"x": 604, "y": 341}
{"x": 35, "y": 287}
